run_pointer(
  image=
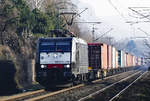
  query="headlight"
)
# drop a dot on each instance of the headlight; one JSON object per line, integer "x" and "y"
{"x": 67, "y": 66}
{"x": 43, "y": 66}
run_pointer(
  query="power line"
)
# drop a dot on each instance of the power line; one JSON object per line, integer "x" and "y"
{"x": 110, "y": 2}
{"x": 139, "y": 13}
{"x": 144, "y": 31}
{"x": 103, "y": 34}
{"x": 73, "y": 16}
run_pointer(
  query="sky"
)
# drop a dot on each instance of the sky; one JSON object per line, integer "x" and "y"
{"x": 117, "y": 15}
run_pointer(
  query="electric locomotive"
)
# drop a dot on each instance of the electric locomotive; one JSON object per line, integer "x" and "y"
{"x": 61, "y": 60}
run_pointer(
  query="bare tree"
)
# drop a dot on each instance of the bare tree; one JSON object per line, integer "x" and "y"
{"x": 42, "y": 4}
{"x": 35, "y": 3}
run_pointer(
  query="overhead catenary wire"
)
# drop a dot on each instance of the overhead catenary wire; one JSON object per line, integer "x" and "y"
{"x": 74, "y": 15}
{"x": 103, "y": 34}
{"x": 144, "y": 31}
{"x": 137, "y": 12}
{"x": 110, "y": 2}
{"x": 143, "y": 8}
{"x": 146, "y": 17}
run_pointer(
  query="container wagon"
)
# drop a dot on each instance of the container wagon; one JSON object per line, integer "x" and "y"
{"x": 95, "y": 59}
{"x": 98, "y": 58}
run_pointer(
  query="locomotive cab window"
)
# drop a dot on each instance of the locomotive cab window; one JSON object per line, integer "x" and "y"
{"x": 63, "y": 46}
{"x": 47, "y": 46}
{"x": 55, "y": 46}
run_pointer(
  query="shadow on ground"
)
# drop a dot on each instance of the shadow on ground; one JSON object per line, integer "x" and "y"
{"x": 7, "y": 75}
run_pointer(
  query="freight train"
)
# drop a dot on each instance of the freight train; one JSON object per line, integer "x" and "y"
{"x": 62, "y": 60}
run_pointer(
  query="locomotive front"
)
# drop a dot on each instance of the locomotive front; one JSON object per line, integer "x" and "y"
{"x": 53, "y": 65}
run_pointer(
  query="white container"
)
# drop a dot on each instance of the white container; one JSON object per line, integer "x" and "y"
{"x": 122, "y": 59}
{"x": 113, "y": 57}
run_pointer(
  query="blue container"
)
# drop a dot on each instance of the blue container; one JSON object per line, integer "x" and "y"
{"x": 119, "y": 58}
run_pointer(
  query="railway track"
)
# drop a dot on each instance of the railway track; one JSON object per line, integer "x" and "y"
{"x": 42, "y": 94}
{"x": 113, "y": 91}
{"x": 127, "y": 87}
{"x": 23, "y": 95}
{"x": 139, "y": 91}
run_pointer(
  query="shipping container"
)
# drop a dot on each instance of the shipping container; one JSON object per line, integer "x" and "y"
{"x": 116, "y": 59}
{"x": 94, "y": 57}
{"x": 125, "y": 57}
{"x": 122, "y": 59}
{"x": 139, "y": 61}
{"x": 130, "y": 60}
{"x": 119, "y": 58}
{"x": 142, "y": 61}
{"x": 109, "y": 56}
{"x": 134, "y": 59}
{"x": 94, "y": 54}
{"x": 127, "y": 60}
{"x": 113, "y": 57}
{"x": 104, "y": 56}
